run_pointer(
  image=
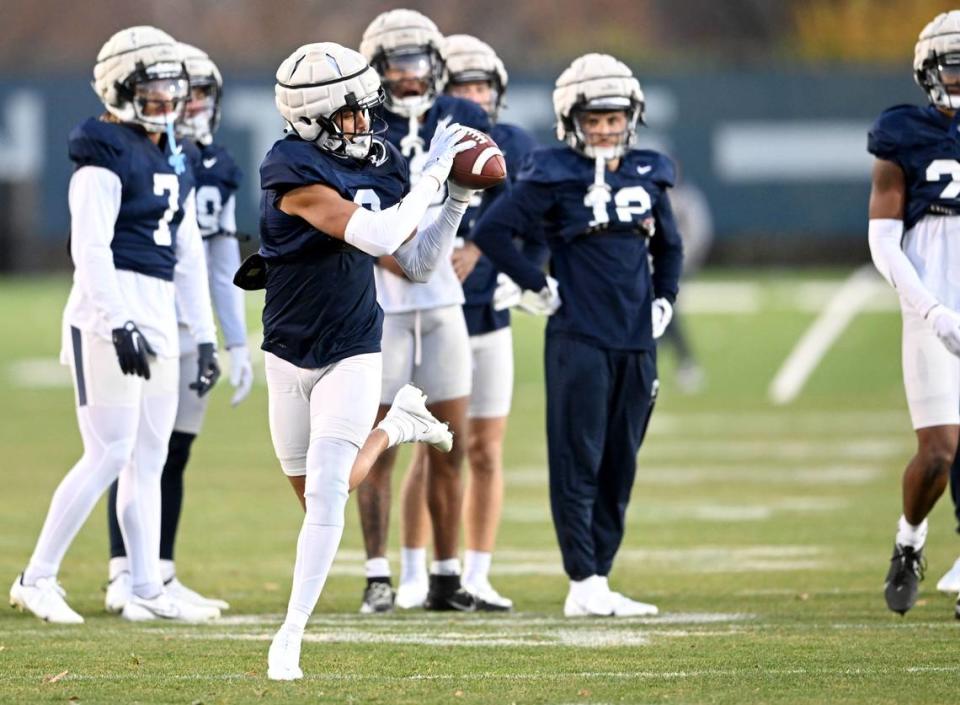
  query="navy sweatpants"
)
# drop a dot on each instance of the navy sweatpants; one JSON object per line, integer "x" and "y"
{"x": 598, "y": 405}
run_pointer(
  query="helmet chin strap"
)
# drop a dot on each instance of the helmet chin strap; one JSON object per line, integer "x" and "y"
{"x": 412, "y": 144}
{"x": 177, "y": 158}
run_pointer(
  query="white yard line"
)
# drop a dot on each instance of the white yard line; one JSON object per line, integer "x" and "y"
{"x": 855, "y": 293}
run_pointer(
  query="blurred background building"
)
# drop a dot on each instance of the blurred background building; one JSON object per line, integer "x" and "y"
{"x": 765, "y": 105}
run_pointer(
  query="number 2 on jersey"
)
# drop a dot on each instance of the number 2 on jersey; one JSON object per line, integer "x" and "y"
{"x": 946, "y": 167}
{"x": 166, "y": 184}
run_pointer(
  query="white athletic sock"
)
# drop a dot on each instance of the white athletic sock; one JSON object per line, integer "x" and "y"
{"x": 118, "y": 565}
{"x": 329, "y": 461}
{"x": 394, "y": 433}
{"x": 476, "y": 567}
{"x": 377, "y": 568}
{"x": 413, "y": 565}
{"x": 448, "y": 566}
{"x": 167, "y": 570}
{"x": 910, "y": 535}
{"x": 108, "y": 437}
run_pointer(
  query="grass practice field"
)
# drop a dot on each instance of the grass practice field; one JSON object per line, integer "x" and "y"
{"x": 762, "y": 532}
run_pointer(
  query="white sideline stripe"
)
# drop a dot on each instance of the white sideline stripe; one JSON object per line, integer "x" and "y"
{"x": 738, "y": 298}
{"x": 518, "y": 677}
{"x": 485, "y": 156}
{"x": 850, "y": 298}
{"x": 787, "y": 422}
{"x": 684, "y": 476}
{"x": 763, "y": 450}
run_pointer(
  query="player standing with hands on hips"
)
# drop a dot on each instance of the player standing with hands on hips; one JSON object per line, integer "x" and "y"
{"x": 137, "y": 256}
{"x": 606, "y": 216}
{"x": 914, "y": 234}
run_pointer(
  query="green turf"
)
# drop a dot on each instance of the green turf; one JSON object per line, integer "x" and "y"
{"x": 763, "y": 534}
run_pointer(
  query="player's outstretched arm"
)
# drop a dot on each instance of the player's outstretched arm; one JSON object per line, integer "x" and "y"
{"x": 418, "y": 257}
{"x": 222, "y": 261}
{"x": 378, "y": 233}
{"x": 191, "y": 279}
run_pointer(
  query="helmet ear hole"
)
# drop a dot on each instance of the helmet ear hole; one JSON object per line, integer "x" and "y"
{"x": 305, "y": 120}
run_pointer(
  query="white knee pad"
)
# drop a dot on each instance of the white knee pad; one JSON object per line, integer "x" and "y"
{"x": 329, "y": 461}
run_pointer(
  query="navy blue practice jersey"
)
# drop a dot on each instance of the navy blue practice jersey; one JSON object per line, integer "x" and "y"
{"x": 156, "y": 182}
{"x": 478, "y": 289}
{"x": 599, "y": 253}
{"x": 218, "y": 178}
{"x": 925, "y": 143}
{"x": 321, "y": 301}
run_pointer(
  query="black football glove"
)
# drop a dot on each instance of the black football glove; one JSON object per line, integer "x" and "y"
{"x": 132, "y": 350}
{"x": 208, "y": 369}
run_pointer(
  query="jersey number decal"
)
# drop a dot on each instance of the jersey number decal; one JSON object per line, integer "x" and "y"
{"x": 209, "y": 207}
{"x": 166, "y": 184}
{"x": 367, "y": 198}
{"x": 946, "y": 167}
{"x": 629, "y": 201}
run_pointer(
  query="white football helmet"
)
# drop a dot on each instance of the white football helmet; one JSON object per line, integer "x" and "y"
{"x": 201, "y": 116}
{"x": 468, "y": 60}
{"x": 596, "y": 83}
{"x": 408, "y": 44}
{"x": 140, "y": 77}
{"x": 936, "y": 60}
{"x": 318, "y": 81}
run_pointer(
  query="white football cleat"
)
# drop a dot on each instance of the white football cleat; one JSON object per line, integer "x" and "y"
{"x": 179, "y": 591}
{"x": 43, "y": 599}
{"x": 163, "y": 606}
{"x": 408, "y": 414}
{"x": 950, "y": 582}
{"x": 119, "y": 592}
{"x": 412, "y": 594}
{"x": 283, "y": 659}
{"x": 597, "y": 604}
{"x": 623, "y": 606}
{"x": 488, "y": 599}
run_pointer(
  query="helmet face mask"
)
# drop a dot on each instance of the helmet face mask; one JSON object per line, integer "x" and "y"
{"x": 941, "y": 80}
{"x": 158, "y": 102}
{"x": 603, "y": 131}
{"x": 481, "y": 90}
{"x": 201, "y": 115}
{"x": 403, "y": 46}
{"x": 350, "y": 131}
{"x": 410, "y": 77}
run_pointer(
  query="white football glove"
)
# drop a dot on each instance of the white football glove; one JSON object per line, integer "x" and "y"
{"x": 459, "y": 193}
{"x": 241, "y": 373}
{"x": 544, "y": 302}
{"x": 507, "y": 294}
{"x": 946, "y": 324}
{"x": 444, "y": 146}
{"x": 662, "y": 315}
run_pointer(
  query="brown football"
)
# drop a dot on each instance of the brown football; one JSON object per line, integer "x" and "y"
{"x": 481, "y": 166}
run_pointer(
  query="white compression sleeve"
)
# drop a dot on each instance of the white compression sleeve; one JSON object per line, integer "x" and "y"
{"x": 885, "y": 235}
{"x": 94, "y": 199}
{"x": 223, "y": 259}
{"x": 190, "y": 277}
{"x": 381, "y": 233}
{"x": 418, "y": 257}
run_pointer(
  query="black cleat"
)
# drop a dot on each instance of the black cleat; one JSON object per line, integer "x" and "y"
{"x": 447, "y": 595}
{"x": 377, "y": 597}
{"x": 903, "y": 579}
